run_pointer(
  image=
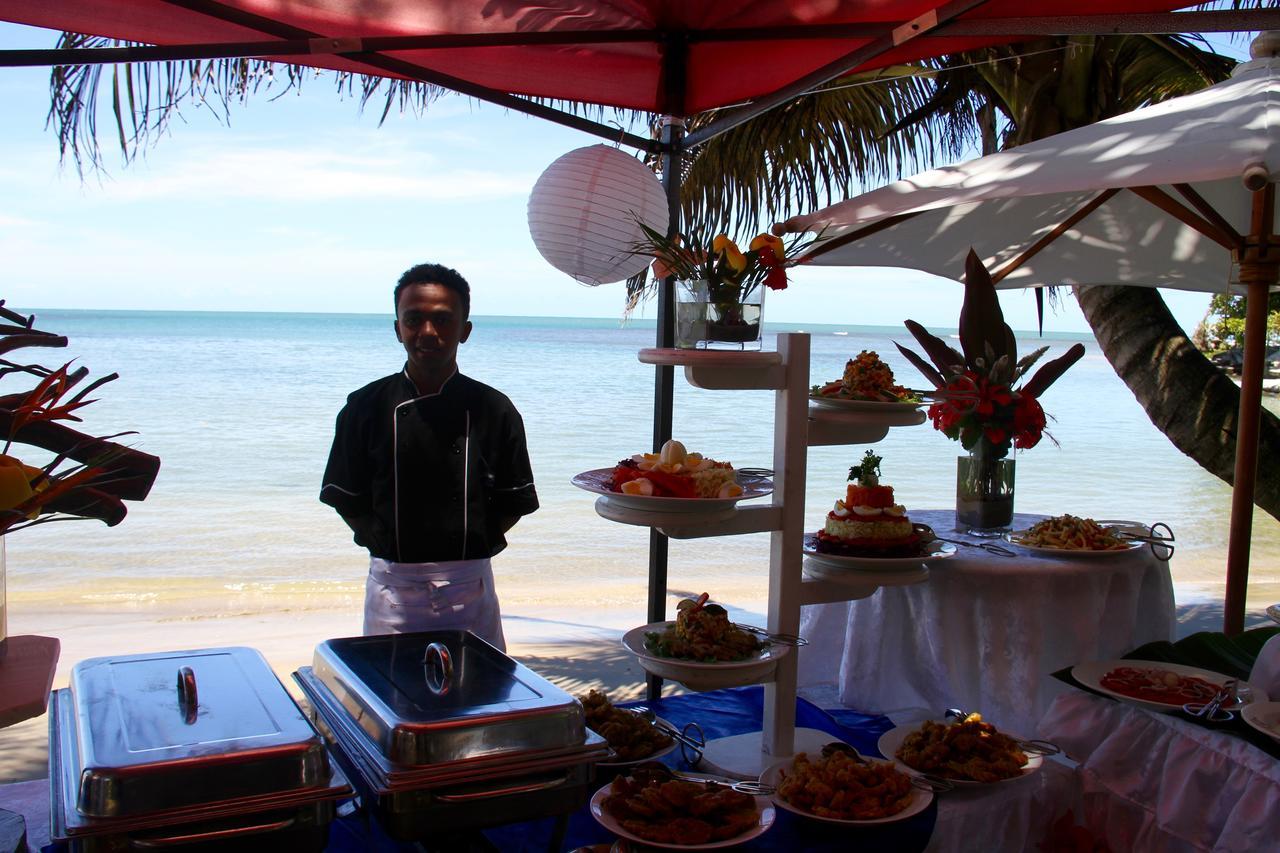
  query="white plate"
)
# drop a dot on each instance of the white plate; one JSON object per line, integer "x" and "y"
{"x": 851, "y": 577}
{"x": 1263, "y": 716}
{"x": 1274, "y": 612}
{"x": 598, "y": 480}
{"x": 763, "y": 805}
{"x": 840, "y": 404}
{"x": 1012, "y": 536}
{"x": 1090, "y": 675}
{"x": 920, "y": 799}
{"x": 892, "y": 739}
{"x": 697, "y": 675}
{"x": 653, "y": 756}
{"x": 934, "y": 551}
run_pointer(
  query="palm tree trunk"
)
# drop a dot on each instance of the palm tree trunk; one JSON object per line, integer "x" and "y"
{"x": 1198, "y": 412}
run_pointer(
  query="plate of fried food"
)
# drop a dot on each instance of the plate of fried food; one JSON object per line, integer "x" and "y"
{"x": 964, "y": 751}
{"x": 1077, "y": 536}
{"x": 631, "y": 737}
{"x": 842, "y": 787}
{"x": 654, "y": 808}
{"x": 702, "y": 649}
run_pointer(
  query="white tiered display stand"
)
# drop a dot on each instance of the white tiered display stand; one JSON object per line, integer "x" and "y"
{"x": 796, "y": 428}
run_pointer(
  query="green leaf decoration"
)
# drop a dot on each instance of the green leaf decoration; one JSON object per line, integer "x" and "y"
{"x": 929, "y": 371}
{"x": 1051, "y": 370}
{"x": 982, "y": 322}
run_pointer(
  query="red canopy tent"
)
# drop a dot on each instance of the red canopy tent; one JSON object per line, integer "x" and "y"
{"x": 669, "y": 57}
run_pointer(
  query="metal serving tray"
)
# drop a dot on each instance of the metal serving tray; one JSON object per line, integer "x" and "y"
{"x": 445, "y": 696}
{"x": 349, "y": 739}
{"x": 167, "y": 731}
{"x": 292, "y": 820}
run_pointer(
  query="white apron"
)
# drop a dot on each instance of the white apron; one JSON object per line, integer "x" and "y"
{"x": 456, "y": 595}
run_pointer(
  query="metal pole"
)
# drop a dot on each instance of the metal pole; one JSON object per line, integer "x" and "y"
{"x": 664, "y": 377}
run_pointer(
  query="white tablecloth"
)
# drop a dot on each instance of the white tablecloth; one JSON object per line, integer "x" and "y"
{"x": 984, "y": 631}
{"x": 1155, "y": 782}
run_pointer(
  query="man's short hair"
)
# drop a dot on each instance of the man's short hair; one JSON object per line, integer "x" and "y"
{"x": 435, "y": 274}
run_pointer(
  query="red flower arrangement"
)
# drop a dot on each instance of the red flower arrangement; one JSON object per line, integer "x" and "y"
{"x": 976, "y": 401}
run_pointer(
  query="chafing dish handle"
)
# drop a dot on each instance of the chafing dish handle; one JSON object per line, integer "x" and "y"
{"x": 212, "y": 835}
{"x": 437, "y": 666}
{"x": 188, "y": 699}
{"x": 544, "y": 785}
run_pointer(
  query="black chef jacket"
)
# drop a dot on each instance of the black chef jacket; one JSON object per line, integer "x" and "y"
{"x": 429, "y": 478}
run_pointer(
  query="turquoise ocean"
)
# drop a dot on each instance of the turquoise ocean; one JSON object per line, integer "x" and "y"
{"x": 240, "y": 408}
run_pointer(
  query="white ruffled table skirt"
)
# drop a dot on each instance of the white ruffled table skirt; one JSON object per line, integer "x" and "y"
{"x": 1153, "y": 782}
{"x": 984, "y": 631}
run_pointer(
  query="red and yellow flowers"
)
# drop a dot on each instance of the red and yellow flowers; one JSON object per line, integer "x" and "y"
{"x": 731, "y": 274}
{"x": 976, "y": 401}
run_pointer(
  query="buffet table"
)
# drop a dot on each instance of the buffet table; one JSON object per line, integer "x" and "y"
{"x": 1154, "y": 781}
{"x": 984, "y": 631}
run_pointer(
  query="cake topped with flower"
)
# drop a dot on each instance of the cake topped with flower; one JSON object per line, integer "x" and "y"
{"x": 867, "y": 523}
{"x": 674, "y": 472}
{"x": 867, "y": 377}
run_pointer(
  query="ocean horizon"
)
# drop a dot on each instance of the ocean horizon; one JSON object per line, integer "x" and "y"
{"x": 239, "y": 406}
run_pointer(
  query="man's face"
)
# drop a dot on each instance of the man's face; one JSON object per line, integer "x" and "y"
{"x": 430, "y": 324}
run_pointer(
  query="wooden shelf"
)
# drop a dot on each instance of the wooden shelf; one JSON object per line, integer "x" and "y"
{"x": 27, "y": 664}
{"x": 722, "y": 370}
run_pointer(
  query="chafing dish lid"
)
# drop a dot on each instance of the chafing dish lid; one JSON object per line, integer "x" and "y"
{"x": 164, "y": 730}
{"x": 445, "y": 696}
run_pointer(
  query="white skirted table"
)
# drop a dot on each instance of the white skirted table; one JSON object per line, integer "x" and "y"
{"x": 1153, "y": 781}
{"x": 985, "y": 631}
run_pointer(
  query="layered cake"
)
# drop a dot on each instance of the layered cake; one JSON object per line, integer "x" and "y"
{"x": 675, "y": 473}
{"x": 867, "y": 523}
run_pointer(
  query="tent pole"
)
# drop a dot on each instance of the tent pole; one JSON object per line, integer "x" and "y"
{"x": 1258, "y": 270}
{"x": 664, "y": 382}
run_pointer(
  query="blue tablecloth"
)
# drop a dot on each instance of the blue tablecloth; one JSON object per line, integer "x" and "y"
{"x": 720, "y": 713}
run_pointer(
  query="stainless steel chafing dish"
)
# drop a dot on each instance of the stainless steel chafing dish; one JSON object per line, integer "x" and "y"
{"x": 186, "y": 747}
{"x": 440, "y": 730}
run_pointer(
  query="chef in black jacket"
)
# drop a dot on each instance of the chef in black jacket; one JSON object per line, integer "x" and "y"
{"x": 430, "y": 469}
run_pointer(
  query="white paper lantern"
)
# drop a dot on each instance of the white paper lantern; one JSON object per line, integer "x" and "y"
{"x": 583, "y": 211}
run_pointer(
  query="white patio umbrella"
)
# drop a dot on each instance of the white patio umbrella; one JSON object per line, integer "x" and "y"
{"x": 1179, "y": 195}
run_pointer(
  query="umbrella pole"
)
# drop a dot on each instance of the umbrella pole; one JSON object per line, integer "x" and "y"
{"x": 1258, "y": 270}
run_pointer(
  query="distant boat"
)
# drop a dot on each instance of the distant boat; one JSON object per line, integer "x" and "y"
{"x": 839, "y": 333}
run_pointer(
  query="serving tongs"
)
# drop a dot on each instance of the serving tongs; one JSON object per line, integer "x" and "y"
{"x": 989, "y": 547}
{"x": 1212, "y": 711}
{"x": 691, "y": 739}
{"x": 1158, "y": 536}
{"x": 658, "y": 770}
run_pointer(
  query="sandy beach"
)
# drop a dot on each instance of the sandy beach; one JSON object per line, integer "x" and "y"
{"x": 576, "y": 648}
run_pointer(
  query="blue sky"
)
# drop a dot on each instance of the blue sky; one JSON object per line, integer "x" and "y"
{"x": 305, "y": 204}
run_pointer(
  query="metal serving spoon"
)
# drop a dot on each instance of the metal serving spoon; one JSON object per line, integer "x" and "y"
{"x": 1032, "y": 747}
{"x": 923, "y": 781}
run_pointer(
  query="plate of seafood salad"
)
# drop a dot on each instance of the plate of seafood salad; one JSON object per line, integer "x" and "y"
{"x": 631, "y": 737}
{"x": 841, "y": 787}
{"x": 702, "y": 632}
{"x": 1072, "y": 534}
{"x": 966, "y": 751}
{"x": 702, "y": 649}
{"x": 866, "y": 385}
{"x": 673, "y": 479}
{"x": 655, "y": 809}
{"x": 1156, "y": 685}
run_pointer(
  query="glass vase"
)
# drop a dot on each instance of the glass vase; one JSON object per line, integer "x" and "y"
{"x": 718, "y": 318}
{"x": 984, "y": 492}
